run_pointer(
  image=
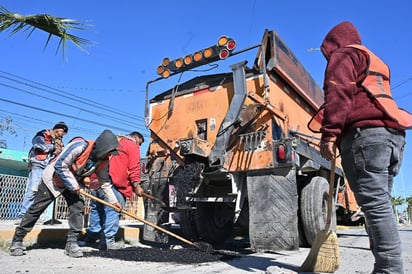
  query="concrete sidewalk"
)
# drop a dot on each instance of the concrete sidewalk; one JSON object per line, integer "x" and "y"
{"x": 47, "y": 234}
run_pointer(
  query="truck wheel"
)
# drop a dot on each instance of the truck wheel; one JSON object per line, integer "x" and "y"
{"x": 214, "y": 221}
{"x": 313, "y": 202}
{"x": 188, "y": 226}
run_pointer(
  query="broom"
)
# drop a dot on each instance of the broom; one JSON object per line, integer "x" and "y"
{"x": 324, "y": 254}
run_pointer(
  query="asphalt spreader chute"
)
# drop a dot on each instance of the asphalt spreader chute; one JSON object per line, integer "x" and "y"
{"x": 202, "y": 246}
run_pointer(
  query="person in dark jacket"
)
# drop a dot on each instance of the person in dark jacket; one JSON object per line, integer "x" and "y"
{"x": 46, "y": 145}
{"x": 64, "y": 176}
{"x": 370, "y": 140}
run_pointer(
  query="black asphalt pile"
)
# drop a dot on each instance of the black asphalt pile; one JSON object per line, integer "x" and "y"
{"x": 181, "y": 256}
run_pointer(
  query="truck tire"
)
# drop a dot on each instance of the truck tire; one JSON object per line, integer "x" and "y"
{"x": 313, "y": 208}
{"x": 214, "y": 221}
{"x": 273, "y": 206}
{"x": 188, "y": 225}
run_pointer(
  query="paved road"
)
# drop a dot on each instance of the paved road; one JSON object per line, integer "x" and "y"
{"x": 354, "y": 255}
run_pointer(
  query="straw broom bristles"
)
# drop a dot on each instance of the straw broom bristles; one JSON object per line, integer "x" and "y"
{"x": 324, "y": 254}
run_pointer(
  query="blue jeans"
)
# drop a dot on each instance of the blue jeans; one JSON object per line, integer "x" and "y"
{"x": 371, "y": 158}
{"x": 104, "y": 221}
{"x": 31, "y": 189}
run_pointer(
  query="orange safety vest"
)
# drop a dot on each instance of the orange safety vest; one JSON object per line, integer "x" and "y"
{"x": 377, "y": 84}
{"x": 80, "y": 162}
{"x": 41, "y": 156}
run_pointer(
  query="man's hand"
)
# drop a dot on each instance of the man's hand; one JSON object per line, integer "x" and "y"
{"x": 57, "y": 150}
{"x": 58, "y": 147}
{"x": 76, "y": 190}
{"x": 139, "y": 190}
{"x": 327, "y": 150}
{"x": 118, "y": 205}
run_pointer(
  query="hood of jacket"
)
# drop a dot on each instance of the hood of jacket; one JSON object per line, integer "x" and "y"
{"x": 339, "y": 36}
{"x": 105, "y": 143}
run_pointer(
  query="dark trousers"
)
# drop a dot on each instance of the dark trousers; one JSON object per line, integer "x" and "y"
{"x": 42, "y": 200}
{"x": 371, "y": 158}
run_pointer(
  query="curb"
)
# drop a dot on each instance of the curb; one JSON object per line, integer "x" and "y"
{"x": 51, "y": 234}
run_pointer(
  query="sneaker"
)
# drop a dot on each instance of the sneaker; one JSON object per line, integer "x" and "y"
{"x": 111, "y": 246}
{"x": 17, "y": 249}
{"x": 17, "y": 221}
{"x": 73, "y": 250}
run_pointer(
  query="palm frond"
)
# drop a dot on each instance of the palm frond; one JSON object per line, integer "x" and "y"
{"x": 53, "y": 25}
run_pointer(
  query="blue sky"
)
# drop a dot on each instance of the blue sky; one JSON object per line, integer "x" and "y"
{"x": 105, "y": 86}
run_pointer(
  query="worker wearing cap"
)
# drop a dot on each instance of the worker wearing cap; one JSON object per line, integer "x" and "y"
{"x": 46, "y": 145}
{"x": 64, "y": 176}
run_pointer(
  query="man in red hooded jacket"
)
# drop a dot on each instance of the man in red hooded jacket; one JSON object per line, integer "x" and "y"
{"x": 124, "y": 170}
{"x": 371, "y": 141}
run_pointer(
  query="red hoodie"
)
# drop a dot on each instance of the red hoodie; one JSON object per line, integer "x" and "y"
{"x": 124, "y": 168}
{"x": 347, "y": 105}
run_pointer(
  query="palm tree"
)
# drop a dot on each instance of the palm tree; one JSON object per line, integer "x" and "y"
{"x": 53, "y": 25}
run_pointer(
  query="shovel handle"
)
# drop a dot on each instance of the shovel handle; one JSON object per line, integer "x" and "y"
{"x": 147, "y": 195}
{"x": 103, "y": 202}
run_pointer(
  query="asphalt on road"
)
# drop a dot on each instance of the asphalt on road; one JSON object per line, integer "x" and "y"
{"x": 355, "y": 257}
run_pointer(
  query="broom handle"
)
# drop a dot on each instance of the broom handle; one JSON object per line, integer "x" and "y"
{"x": 331, "y": 186}
{"x": 103, "y": 202}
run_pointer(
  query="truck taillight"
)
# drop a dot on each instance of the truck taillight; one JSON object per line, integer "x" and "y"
{"x": 143, "y": 168}
{"x": 207, "y": 53}
{"x": 223, "y": 53}
{"x": 281, "y": 152}
{"x": 222, "y": 41}
{"x": 178, "y": 63}
{"x": 197, "y": 56}
{"x": 188, "y": 59}
{"x": 231, "y": 44}
{"x": 222, "y": 50}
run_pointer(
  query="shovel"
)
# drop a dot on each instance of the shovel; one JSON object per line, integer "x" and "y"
{"x": 202, "y": 246}
{"x": 146, "y": 195}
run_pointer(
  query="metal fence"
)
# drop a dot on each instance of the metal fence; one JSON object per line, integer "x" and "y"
{"x": 12, "y": 189}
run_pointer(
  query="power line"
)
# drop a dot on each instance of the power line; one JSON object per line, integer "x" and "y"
{"x": 64, "y": 115}
{"x": 79, "y": 99}
{"x": 401, "y": 84}
{"x": 66, "y": 104}
{"x": 30, "y": 119}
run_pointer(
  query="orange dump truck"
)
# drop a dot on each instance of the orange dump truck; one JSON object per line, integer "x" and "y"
{"x": 231, "y": 152}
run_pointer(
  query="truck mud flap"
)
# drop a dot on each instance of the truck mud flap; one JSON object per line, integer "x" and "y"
{"x": 273, "y": 206}
{"x": 155, "y": 214}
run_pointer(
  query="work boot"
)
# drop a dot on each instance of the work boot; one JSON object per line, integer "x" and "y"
{"x": 17, "y": 249}
{"x": 73, "y": 250}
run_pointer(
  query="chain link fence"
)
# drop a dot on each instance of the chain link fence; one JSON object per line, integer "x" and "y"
{"x": 12, "y": 189}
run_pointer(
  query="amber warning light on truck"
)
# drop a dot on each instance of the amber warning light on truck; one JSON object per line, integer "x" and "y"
{"x": 220, "y": 51}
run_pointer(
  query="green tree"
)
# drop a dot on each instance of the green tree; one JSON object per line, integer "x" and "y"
{"x": 409, "y": 208}
{"x": 397, "y": 201}
{"x": 6, "y": 125}
{"x": 53, "y": 25}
